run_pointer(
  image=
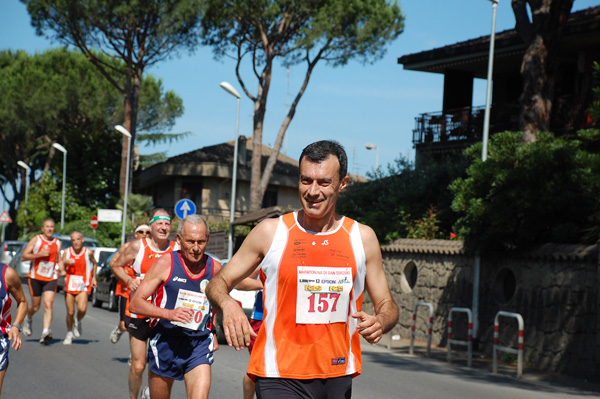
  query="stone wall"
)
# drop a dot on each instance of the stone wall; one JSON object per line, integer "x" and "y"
{"x": 554, "y": 288}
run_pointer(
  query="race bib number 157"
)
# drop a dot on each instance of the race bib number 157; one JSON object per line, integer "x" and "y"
{"x": 323, "y": 294}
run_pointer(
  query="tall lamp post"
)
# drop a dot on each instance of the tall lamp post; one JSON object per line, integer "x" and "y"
{"x": 28, "y": 172}
{"x": 486, "y": 134}
{"x": 231, "y": 90}
{"x": 370, "y": 146}
{"x": 488, "y": 100}
{"x": 62, "y": 209}
{"x": 126, "y": 133}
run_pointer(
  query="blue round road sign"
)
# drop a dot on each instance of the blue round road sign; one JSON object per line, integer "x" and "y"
{"x": 184, "y": 207}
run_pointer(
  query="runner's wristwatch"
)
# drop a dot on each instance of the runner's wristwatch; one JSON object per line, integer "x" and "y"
{"x": 18, "y": 327}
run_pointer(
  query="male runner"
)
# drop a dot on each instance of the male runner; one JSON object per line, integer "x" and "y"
{"x": 141, "y": 231}
{"x": 10, "y": 334}
{"x": 142, "y": 253}
{"x": 43, "y": 251}
{"x": 79, "y": 268}
{"x": 181, "y": 342}
{"x": 315, "y": 266}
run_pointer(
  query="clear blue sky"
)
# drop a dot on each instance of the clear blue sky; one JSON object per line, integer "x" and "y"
{"x": 354, "y": 104}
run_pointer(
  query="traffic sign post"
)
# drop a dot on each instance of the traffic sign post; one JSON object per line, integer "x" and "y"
{"x": 94, "y": 222}
{"x": 5, "y": 217}
{"x": 184, "y": 207}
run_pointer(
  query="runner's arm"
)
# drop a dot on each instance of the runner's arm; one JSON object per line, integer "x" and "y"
{"x": 14, "y": 287}
{"x": 124, "y": 257}
{"x": 246, "y": 260}
{"x": 156, "y": 275}
{"x": 28, "y": 251}
{"x": 385, "y": 316}
{"x": 94, "y": 269}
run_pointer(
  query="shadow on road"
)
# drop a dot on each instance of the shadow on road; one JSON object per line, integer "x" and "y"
{"x": 481, "y": 370}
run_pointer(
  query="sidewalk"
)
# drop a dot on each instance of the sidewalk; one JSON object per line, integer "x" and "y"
{"x": 483, "y": 364}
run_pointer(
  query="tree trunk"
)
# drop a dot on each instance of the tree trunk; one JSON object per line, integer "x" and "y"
{"x": 541, "y": 34}
{"x": 260, "y": 107}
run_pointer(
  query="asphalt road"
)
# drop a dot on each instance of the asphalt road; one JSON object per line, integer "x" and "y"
{"x": 92, "y": 367}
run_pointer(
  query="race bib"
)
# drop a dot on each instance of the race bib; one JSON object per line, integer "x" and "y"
{"x": 45, "y": 269}
{"x": 76, "y": 283}
{"x": 323, "y": 294}
{"x": 196, "y": 301}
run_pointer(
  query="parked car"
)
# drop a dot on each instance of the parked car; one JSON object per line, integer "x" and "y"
{"x": 20, "y": 266}
{"x": 9, "y": 249}
{"x": 106, "y": 283}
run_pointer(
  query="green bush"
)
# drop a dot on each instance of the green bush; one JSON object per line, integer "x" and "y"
{"x": 528, "y": 194}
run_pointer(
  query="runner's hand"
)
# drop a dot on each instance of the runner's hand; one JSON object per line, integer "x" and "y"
{"x": 182, "y": 315}
{"x": 369, "y": 327}
{"x": 236, "y": 325}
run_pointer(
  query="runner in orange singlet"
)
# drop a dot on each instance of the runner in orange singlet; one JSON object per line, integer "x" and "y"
{"x": 80, "y": 275}
{"x": 143, "y": 253}
{"x": 315, "y": 267}
{"x": 122, "y": 291}
{"x": 43, "y": 251}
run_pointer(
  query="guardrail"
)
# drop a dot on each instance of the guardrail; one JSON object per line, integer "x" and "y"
{"x": 469, "y": 342}
{"x": 429, "y": 329}
{"x": 497, "y": 347}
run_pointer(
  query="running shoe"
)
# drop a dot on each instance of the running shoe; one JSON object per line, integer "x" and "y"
{"x": 115, "y": 335}
{"x": 46, "y": 338}
{"x": 77, "y": 329}
{"x": 27, "y": 326}
{"x": 146, "y": 393}
{"x": 129, "y": 360}
{"x": 68, "y": 339}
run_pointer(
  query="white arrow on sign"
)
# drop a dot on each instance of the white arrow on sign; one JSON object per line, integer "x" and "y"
{"x": 185, "y": 208}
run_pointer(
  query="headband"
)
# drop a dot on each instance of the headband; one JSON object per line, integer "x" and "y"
{"x": 141, "y": 226}
{"x": 160, "y": 217}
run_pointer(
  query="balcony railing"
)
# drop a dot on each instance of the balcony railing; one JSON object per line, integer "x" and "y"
{"x": 464, "y": 124}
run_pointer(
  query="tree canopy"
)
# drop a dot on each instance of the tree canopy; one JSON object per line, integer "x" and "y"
{"x": 139, "y": 33}
{"x": 529, "y": 193}
{"x": 59, "y": 97}
{"x": 297, "y": 32}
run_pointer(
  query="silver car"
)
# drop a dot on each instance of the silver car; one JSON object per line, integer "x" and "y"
{"x": 20, "y": 266}
{"x": 8, "y": 249}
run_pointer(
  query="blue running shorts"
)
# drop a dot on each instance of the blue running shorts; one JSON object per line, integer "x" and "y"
{"x": 173, "y": 356}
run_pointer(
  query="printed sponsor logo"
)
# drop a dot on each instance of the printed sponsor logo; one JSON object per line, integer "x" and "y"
{"x": 336, "y": 361}
{"x": 181, "y": 280}
{"x": 203, "y": 285}
{"x": 312, "y": 288}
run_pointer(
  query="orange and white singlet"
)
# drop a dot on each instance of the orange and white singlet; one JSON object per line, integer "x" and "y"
{"x": 45, "y": 269}
{"x": 313, "y": 283}
{"x": 79, "y": 274}
{"x": 145, "y": 257}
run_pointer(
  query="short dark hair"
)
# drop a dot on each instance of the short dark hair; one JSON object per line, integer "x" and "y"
{"x": 319, "y": 151}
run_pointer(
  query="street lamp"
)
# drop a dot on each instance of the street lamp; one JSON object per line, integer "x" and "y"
{"x": 486, "y": 119}
{"x": 126, "y": 133}
{"x": 486, "y": 134}
{"x": 28, "y": 172}
{"x": 231, "y": 90}
{"x": 370, "y": 146}
{"x": 62, "y": 209}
